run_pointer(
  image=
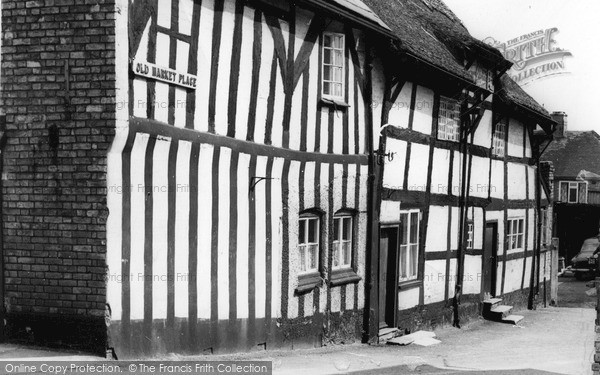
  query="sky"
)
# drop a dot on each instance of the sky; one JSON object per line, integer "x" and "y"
{"x": 576, "y": 93}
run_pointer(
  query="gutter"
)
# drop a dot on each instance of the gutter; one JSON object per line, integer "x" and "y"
{"x": 341, "y": 12}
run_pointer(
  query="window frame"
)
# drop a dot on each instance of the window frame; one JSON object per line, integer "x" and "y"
{"x": 511, "y": 236}
{"x": 499, "y": 143}
{"x": 408, "y": 244}
{"x": 470, "y": 235}
{"x": 342, "y": 97}
{"x": 570, "y": 186}
{"x": 445, "y": 135}
{"x": 307, "y": 218}
{"x": 340, "y": 234}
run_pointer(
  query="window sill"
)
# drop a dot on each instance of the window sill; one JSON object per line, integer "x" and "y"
{"x": 410, "y": 284}
{"x": 336, "y": 103}
{"x": 343, "y": 277}
{"x": 308, "y": 282}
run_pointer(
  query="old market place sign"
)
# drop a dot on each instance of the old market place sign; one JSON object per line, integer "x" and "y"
{"x": 159, "y": 73}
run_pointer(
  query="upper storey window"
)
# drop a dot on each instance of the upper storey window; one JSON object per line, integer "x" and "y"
{"x": 449, "y": 120}
{"x": 333, "y": 66}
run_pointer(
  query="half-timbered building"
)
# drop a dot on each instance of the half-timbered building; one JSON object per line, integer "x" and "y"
{"x": 458, "y": 188}
{"x": 208, "y": 176}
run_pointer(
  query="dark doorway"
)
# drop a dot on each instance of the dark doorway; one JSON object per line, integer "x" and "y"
{"x": 490, "y": 258}
{"x": 388, "y": 276}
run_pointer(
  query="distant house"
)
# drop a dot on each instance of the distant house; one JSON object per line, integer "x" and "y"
{"x": 576, "y": 187}
{"x": 577, "y": 171}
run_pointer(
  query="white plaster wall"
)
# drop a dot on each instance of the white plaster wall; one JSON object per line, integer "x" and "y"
{"x": 434, "y": 281}
{"x": 441, "y": 169}
{"x": 483, "y": 135}
{"x": 497, "y": 185}
{"x": 419, "y": 163}
{"x": 480, "y": 168}
{"x": 400, "y": 111}
{"x": 438, "y": 229}
{"x": 408, "y": 299}
{"x": 422, "y": 120}
{"x": 472, "y": 275}
{"x": 393, "y": 175}
{"x": 515, "y": 138}
{"x": 517, "y": 183}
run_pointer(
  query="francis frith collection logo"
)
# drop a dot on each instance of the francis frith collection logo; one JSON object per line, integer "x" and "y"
{"x": 534, "y": 55}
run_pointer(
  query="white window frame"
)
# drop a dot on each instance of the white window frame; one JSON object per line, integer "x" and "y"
{"x": 573, "y": 185}
{"x": 342, "y": 247}
{"x": 449, "y": 120}
{"x": 499, "y": 139}
{"x": 515, "y": 235}
{"x": 334, "y": 65}
{"x": 470, "y": 234}
{"x": 304, "y": 244}
{"x": 409, "y": 247}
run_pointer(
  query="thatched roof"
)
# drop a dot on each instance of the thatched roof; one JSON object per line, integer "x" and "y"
{"x": 429, "y": 30}
{"x": 512, "y": 92}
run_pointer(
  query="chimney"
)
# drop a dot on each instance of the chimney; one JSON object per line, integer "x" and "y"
{"x": 561, "y": 127}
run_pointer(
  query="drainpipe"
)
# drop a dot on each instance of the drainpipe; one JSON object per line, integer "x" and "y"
{"x": 464, "y": 191}
{"x": 370, "y": 315}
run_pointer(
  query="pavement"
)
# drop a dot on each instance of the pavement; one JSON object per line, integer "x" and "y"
{"x": 554, "y": 340}
{"x": 551, "y": 340}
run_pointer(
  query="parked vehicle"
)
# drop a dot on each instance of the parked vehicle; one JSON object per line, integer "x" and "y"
{"x": 585, "y": 262}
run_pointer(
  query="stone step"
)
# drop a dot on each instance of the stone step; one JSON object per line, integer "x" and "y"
{"x": 513, "y": 319}
{"x": 492, "y": 301}
{"x": 498, "y": 312}
{"x": 386, "y": 334}
{"x": 424, "y": 336}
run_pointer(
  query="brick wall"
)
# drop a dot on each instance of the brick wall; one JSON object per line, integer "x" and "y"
{"x": 58, "y": 89}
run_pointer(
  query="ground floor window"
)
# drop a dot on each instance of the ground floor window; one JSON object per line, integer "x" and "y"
{"x": 409, "y": 245}
{"x": 342, "y": 241}
{"x": 308, "y": 243}
{"x": 515, "y": 234}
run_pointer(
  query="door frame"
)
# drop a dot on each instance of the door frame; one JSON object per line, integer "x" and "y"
{"x": 394, "y": 289}
{"x": 492, "y": 258}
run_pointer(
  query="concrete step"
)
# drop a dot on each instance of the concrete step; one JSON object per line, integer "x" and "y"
{"x": 492, "y": 302}
{"x": 386, "y": 334}
{"x": 420, "y": 336}
{"x": 513, "y": 319}
{"x": 498, "y": 312}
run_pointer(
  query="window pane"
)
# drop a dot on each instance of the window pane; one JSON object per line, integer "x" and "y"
{"x": 572, "y": 195}
{"x": 302, "y": 250}
{"x": 413, "y": 262}
{"x": 403, "y": 262}
{"x": 404, "y": 229}
{"x": 313, "y": 257}
{"x": 326, "y": 88}
{"x": 313, "y": 230}
{"x": 337, "y": 74}
{"x": 336, "y": 229}
{"x": 326, "y": 56}
{"x": 338, "y": 89}
{"x": 302, "y": 232}
{"x": 327, "y": 73}
{"x": 336, "y": 254}
{"x": 338, "y": 58}
{"x": 338, "y": 41}
{"x": 347, "y": 234}
{"x": 347, "y": 261}
{"x": 521, "y": 226}
{"x": 414, "y": 227}
{"x": 327, "y": 40}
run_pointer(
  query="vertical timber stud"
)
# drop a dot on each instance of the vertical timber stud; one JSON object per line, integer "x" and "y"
{"x": 371, "y": 313}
